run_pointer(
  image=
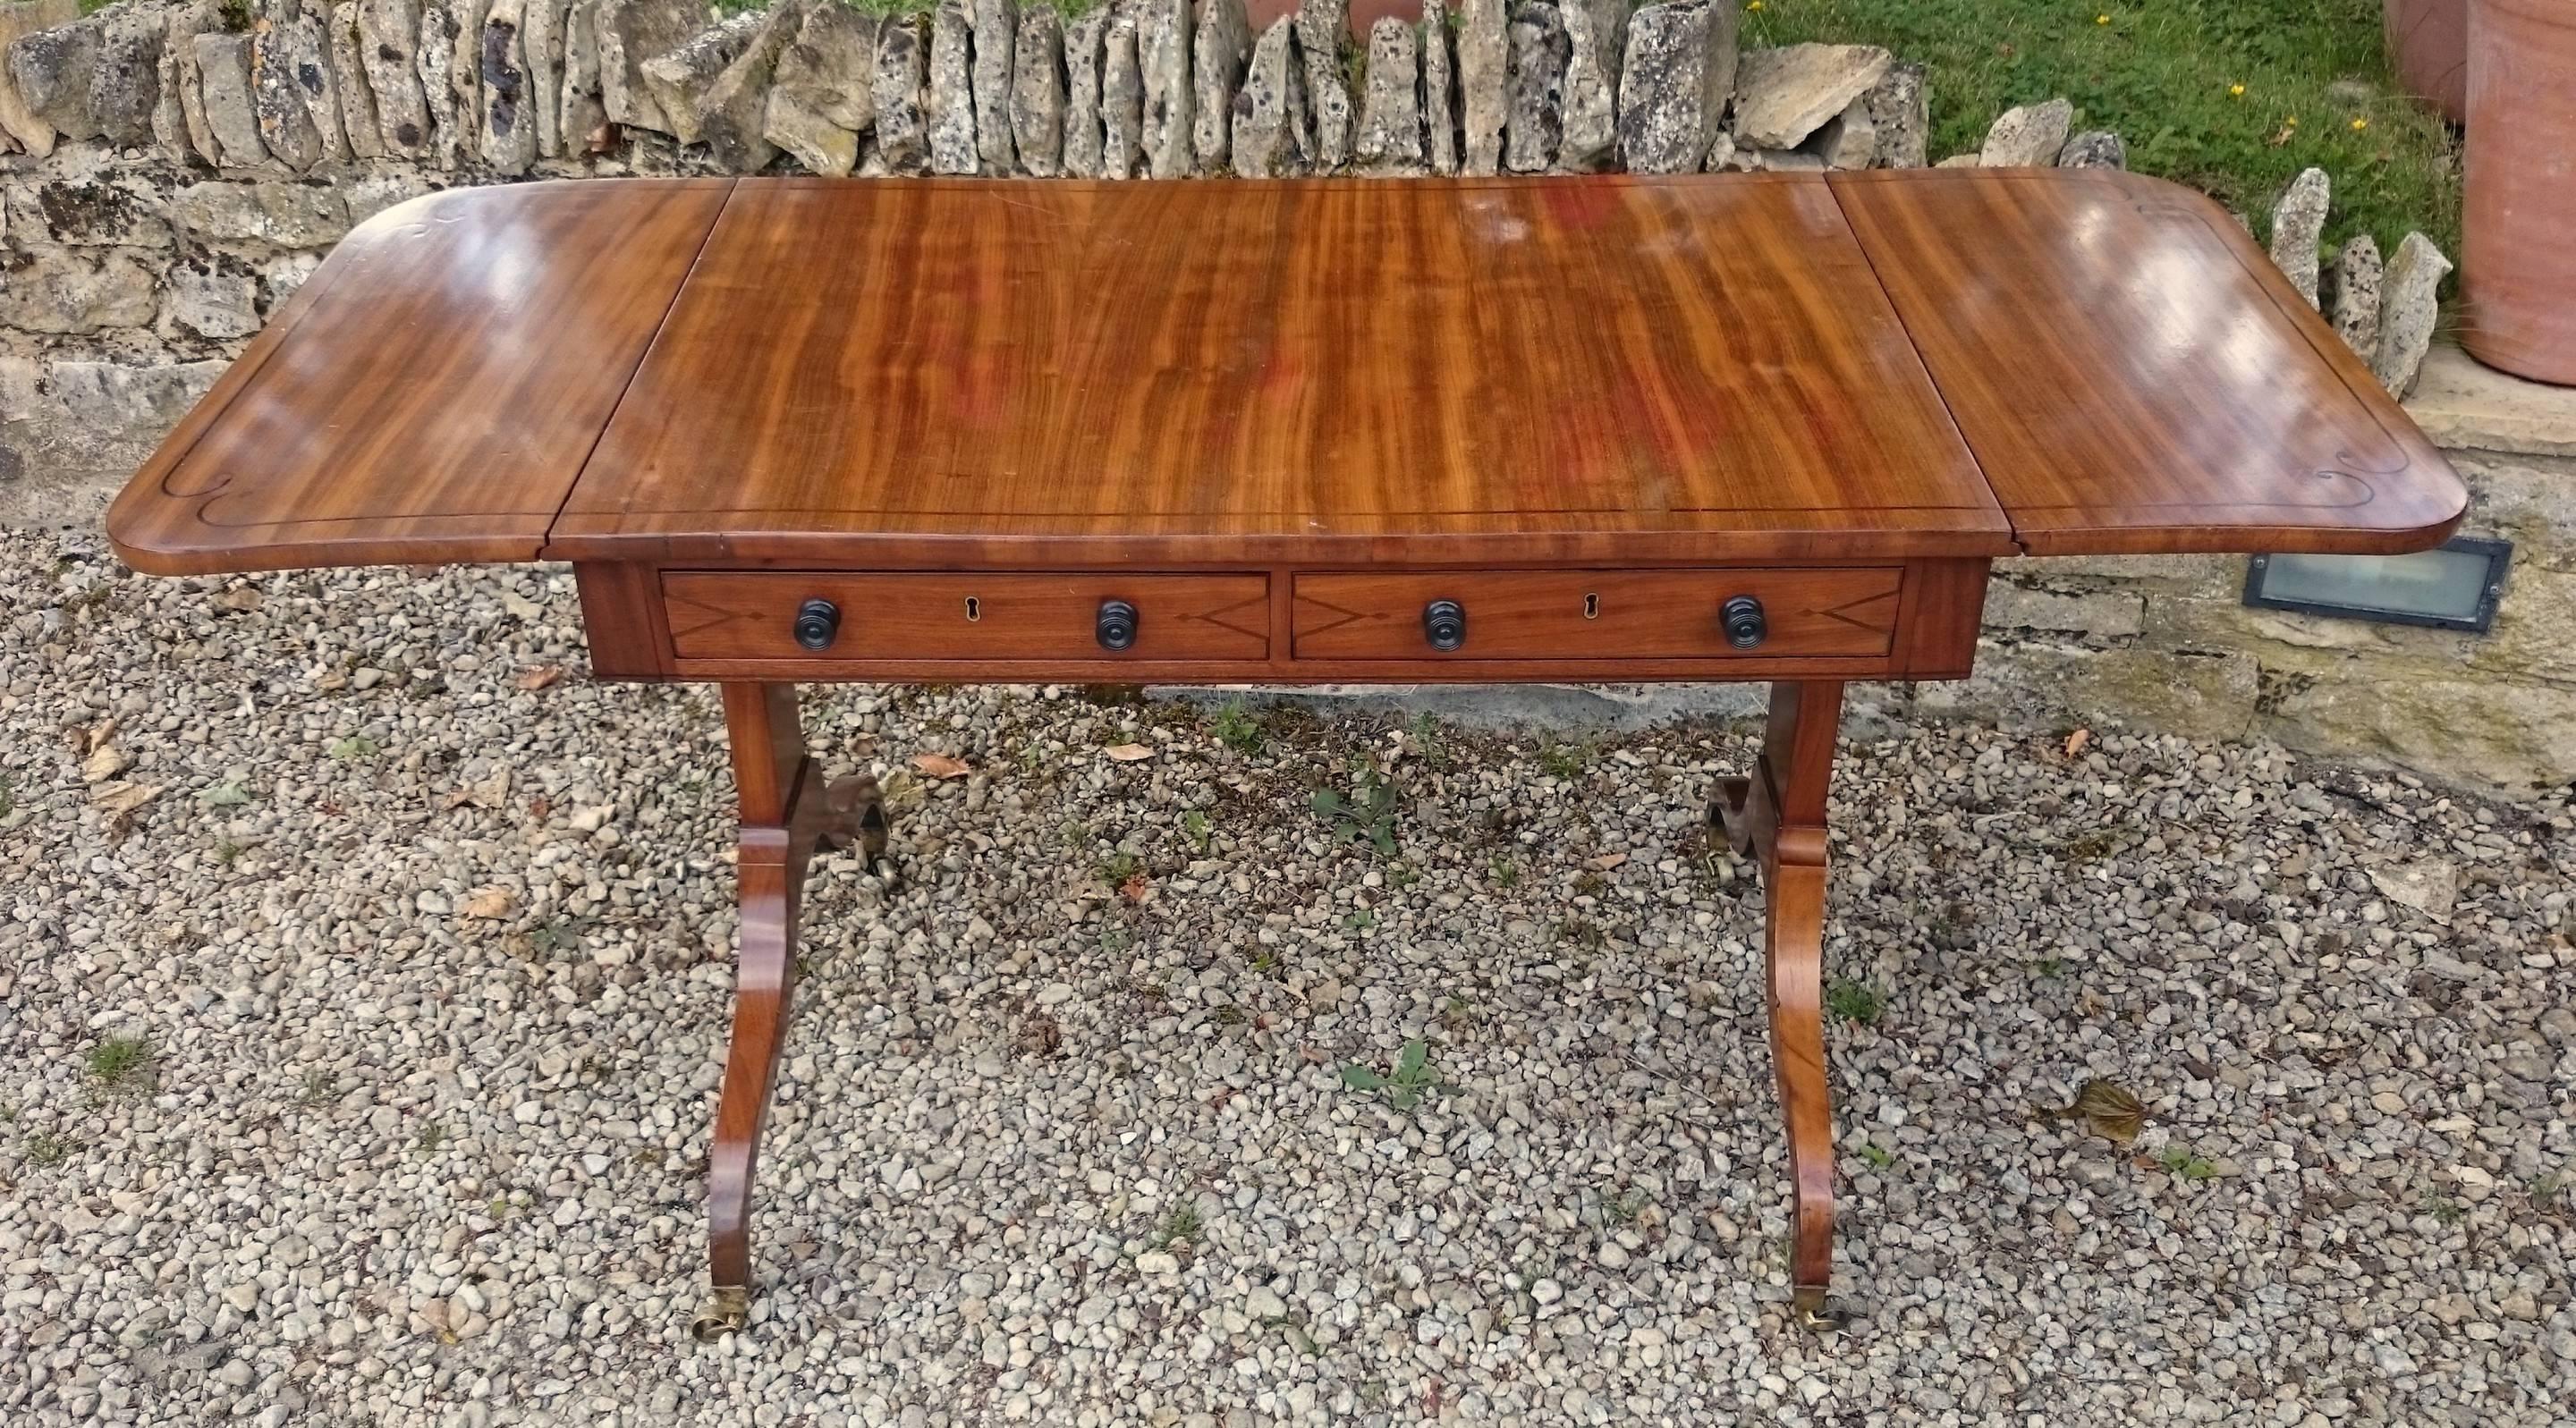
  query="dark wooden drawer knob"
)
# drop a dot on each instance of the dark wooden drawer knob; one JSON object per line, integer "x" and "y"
{"x": 1116, "y": 625}
{"x": 818, "y": 623}
{"x": 1444, "y": 624}
{"x": 1742, "y": 619}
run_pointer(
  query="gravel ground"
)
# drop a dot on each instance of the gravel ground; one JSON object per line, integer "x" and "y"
{"x": 362, "y": 993}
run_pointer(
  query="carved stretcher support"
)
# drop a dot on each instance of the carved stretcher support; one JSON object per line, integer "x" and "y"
{"x": 786, "y": 811}
{"x": 1778, "y": 815}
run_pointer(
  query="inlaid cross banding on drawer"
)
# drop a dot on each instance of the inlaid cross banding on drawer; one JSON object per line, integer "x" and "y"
{"x": 922, "y": 616}
{"x": 1598, "y": 614}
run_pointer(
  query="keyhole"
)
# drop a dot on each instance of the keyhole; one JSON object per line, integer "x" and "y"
{"x": 974, "y": 609}
{"x": 1592, "y": 607}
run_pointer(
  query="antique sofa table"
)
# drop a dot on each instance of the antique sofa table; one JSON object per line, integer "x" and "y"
{"x": 1745, "y": 427}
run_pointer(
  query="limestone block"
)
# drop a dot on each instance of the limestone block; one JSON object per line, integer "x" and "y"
{"x": 1900, "y": 108}
{"x": 2094, "y": 149}
{"x": 507, "y": 131}
{"x": 630, "y": 33}
{"x": 1323, "y": 33}
{"x": 1163, "y": 60}
{"x": 1390, "y": 137}
{"x": 267, "y": 214}
{"x": 1536, "y": 119}
{"x": 125, "y": 87}
{"x": 389, "y": 48}
{"x": 1674, "y": 81}
{"x": 73, "y": 291}
{"x": 541, "y": 45}
{"x": 1037, "y": 92}
{"x": 1484, "y": 83}
{"x": 209, "y": 298}
{"x": 50, "y": 70}
{"x": 680, "y": 80}
{"x": 2028, "y": 137}
{"x": 733, "y": 114}
{"x": 1439, "y": 90}
{"x": 952, "y": 90}
{"x": 2298, "y": 227}
{"x": 89, "y": 213}
{"x": 994, "y": 25}
{"x": 20, "y": 18}
{"x": 1085, "y": 38}
{"x": 2349, "y": 293}
{"x": 358, "y": 125}
{"x": 1849, "y": 140}
{"x": 821, "y": 97}
{"x": 223, "y": 70}
{"x": 580, "y": 117}
{"x": 1785, "y": 94}
{"x": 179, "y": 128}
{"x": 1220, "y": 46}
{"x": 1596, "y": 33}
{"x": 2409, "y": 305}
{"x": 1271, "y": 134}
{"x": 1122, "y": 101}
{"x": 897, "y": 95}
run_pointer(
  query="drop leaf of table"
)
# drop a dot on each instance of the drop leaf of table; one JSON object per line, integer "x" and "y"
{"x": 1725, "y": 427}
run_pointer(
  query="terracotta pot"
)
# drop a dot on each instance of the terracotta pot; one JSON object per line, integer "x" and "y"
{"x": 2517, "y": 260}
{"x": 2428, "y": 46}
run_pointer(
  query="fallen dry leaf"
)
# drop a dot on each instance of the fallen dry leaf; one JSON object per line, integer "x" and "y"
{"x": 540, "y": 677}
{"x": 941, "y": 765}
{"x": 119, "y": 800}
{"x": 2076, "y": 741}
{"x": 2107, "y": 1108}
{"x": 490, "y": 791}
{"x": 96, "y": 735}
{"x": 1128, "y": 753}
{"x": 491, "y": 903}
{"x": 1137, "y": 888}
{"x": 240, "y": 597}
{"x": 1607, "y": 861}
{"x": 104, "y": 762}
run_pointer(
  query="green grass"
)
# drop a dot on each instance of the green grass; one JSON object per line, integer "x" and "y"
{"x": 1855, "y": 1002}
{"x": 120, "y": 1062}
{"x": 2161, "y": 74}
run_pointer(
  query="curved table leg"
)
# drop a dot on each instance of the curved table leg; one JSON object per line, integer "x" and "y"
{"x": 1779, "y": 814}
{"x": 786, "y": 811}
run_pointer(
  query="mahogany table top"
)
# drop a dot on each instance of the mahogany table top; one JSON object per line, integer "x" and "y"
{"x": 992, "y": 373}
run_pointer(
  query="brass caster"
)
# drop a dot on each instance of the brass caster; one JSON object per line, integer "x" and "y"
{"x": 1808, "y": 1309}
{"x": 728, "y": 1309}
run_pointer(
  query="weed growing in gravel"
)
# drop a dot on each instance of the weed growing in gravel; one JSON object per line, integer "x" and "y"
{"x": 228, "y": 852}
{"x": 8, "y": 803}
{"x": 2444, "y": 1209}
{"x": 1502, "y": 873}
{"x": 1565, "y": 761}
{"x": 1367, "y": 814}
{"x": 1237, "y": 728}
{"x": 1118, "y": 866}
{"x": 1627, "y": 1205}
{"x": 1878, "y": 1156}
{"x": 121, "y": 1063}
{"x": 1405, "y": 1087}
{"x": 356, "y": 746}
{"x": 1855, "y": 1001}
{"x": 317, "y": 1088}
{"x": 1430, "y": 740}
{"x": 431, "y": 1137}
{"x": 2182, "y": 1164}
{"x": 1181, "y": 1222}
{"x": 228, "y": 794}
{"x": 1194, "y": 826}
{"x": 45, "y": 1150}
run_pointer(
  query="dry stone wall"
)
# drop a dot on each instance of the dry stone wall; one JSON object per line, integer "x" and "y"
{"x": 171, "y": 170}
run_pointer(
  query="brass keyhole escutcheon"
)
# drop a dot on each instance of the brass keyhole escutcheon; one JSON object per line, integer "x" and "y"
{"x": 974, "y": 609}
{"x": 1591, "y": 607}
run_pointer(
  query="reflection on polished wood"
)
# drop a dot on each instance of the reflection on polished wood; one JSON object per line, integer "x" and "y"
{"x": 1280, "y": 419}
{"x": 2135, "y": 375}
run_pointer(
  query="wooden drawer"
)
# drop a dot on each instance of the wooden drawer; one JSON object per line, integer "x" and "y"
{"x": 916, "y": 616}
{"x": 1599, "y": 615}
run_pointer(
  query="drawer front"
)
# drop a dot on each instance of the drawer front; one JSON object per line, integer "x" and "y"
{"x": 1600, "y": 615}
{"x": 916, "y": 616}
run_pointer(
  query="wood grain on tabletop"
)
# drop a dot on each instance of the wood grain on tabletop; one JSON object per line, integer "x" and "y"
{"x": 994, "y": 371}
{"x": 2135, "y": 375}
{"x": 431, "y": 392}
